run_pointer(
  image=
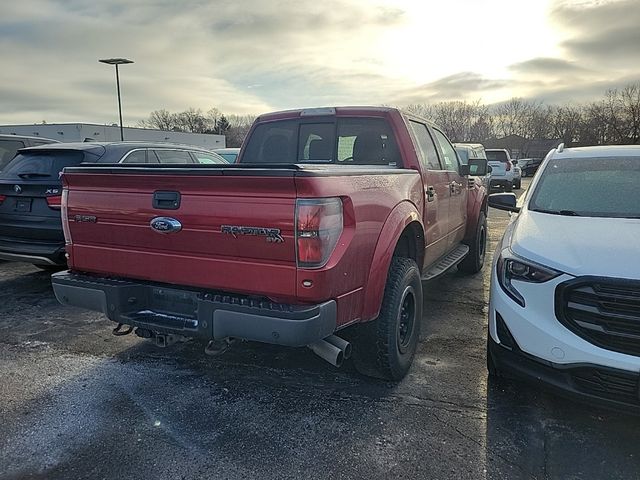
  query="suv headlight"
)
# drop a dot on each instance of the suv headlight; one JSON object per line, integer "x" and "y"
{"x": 512, "y": 267}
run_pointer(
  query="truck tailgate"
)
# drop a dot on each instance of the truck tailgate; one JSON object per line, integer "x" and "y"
{"x": 110, "y": 216}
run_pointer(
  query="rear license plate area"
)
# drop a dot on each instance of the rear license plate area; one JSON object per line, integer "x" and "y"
{"x": 23, "y": 205}
{"x": 176, "y": 302}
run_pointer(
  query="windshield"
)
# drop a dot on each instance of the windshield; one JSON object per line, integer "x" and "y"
{"x": 356, "y": 141}
{"x": 41, "y": 164}
{"x": 592, "y": 187}
{"x": 497, "y": 156}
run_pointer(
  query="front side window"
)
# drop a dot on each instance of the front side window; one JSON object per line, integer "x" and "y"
{"x": 207, "y": 158}
{"x": 591, "y": 187}
{"x": 447, "y": 153}
{"x": 359, "y": 141}
{"x": 173, "y": 156}
{"x": 428, "y": 154}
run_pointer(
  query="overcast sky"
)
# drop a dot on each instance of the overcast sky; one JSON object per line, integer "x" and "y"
{"x": 252, "y": 56}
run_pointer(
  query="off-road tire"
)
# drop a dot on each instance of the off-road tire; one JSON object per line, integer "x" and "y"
{"x": 379, "y": 348}
{"x": 474, "y": 261}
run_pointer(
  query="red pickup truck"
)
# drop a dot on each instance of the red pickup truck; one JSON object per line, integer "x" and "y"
{"x": 319, "y": 236}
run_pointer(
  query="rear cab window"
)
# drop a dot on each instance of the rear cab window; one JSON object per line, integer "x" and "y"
{"x": 498, "y": 156}
{"x": 41, "y": 164}
{"x": 340, "y": 141}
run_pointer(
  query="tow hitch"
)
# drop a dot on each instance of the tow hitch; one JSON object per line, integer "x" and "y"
{"x": 162, "y": 340}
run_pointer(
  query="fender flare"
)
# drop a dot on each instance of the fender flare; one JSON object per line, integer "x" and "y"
{"x": 479, "y": 205}
{"x": 400, "y": 217}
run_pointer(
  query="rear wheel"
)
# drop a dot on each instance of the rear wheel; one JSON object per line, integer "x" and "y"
{"x": 474, "y": 261}
{"x": 385, "y": 347}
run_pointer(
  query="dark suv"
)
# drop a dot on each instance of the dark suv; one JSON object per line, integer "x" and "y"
{"x": 31, "y": 191}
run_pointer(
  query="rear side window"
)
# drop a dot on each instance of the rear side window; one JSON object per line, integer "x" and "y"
{"x": 137, "y": 156}
{"x": 8, "y": 149}
{"x": 41, "y": 164}
{"x": 498, "y": 156}
{"x": 360, "y": 141}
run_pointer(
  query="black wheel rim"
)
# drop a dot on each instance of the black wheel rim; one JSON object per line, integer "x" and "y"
{"x": 406, "y": 319}
{"x": 482, "y": 243}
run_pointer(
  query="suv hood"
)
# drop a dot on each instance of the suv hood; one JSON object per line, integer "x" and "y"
{"x": 579, "y": 245}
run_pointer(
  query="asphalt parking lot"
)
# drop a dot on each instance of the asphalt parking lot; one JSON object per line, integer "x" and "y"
{"x": 77, "y": 402}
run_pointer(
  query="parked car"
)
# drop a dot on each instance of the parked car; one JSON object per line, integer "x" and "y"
{"x": 10, "y": 144}
{"x": 330, "y": 219}
{"x": 31, "y": 189}
{"x": 468, "y": 151}
{"x": 564, "y": 307}
{"x": 529, "y": 166}
{"x": 517, "y": 175}
{"x": 229, "y": 154}
{"x": 502, "y": 172}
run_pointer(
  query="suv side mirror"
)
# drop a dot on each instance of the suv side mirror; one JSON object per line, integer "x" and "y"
{"x": 515, "y": 162}
{"x": 477, "y": 167}
{"x": 504, "y": 201}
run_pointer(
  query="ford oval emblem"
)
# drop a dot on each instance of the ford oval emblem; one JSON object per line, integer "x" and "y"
{"x": 165, "y": 225}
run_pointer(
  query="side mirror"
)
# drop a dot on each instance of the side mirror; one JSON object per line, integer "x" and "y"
{"x": 478, "y": 167}
{"x": 504, "y": 201}
{"x": 489, "y": 169}
{"x": 515, "y": 162}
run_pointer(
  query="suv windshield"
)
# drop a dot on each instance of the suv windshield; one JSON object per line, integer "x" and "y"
{"x": 41, "y": 164}
{"x": 498, "y": 156}
{"x": 591, "y": 187}
{"x": 354, "y": 141}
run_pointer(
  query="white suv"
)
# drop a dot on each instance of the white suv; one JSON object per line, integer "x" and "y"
{"x": 565, "y": 285}
{"x": 502, "y": 171}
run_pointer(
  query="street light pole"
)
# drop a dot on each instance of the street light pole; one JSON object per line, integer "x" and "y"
{"x": 116, "y": 62}
{"x": 119, "y": 103}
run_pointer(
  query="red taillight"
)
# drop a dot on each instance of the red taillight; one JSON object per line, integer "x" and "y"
{"x": 318, "y": 228}
{"x": 2, "y": 197}
{"x": 55, "y": 202}
{"x": 65, "y": 216}
{"x": 508, "y": 167}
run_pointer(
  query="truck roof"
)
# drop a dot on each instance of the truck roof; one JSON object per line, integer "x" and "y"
{"x": 355, "y": 110}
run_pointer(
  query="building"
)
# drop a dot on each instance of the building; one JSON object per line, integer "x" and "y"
{"x": 90, "y": 132}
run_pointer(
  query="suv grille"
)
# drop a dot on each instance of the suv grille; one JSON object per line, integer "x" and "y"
{"x": 603, "y": 311}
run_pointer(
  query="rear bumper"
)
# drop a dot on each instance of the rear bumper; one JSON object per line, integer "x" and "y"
{"x": 589, "y": 383}
{"x": 32, "y": 251}
{"x": 196, "y": 313}
{"x": 501, "y": 183}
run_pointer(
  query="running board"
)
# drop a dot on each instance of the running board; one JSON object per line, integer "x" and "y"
{"x": 445, "y": 263}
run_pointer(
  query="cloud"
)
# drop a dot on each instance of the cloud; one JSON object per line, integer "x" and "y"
{"x": 547, "y": 66}
{"x": 463, "y": 85}
{"x": 201, "y": 54}
{"x": 600, "y": 32}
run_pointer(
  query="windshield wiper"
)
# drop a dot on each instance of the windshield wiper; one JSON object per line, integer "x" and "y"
{"x": 33, "y": 174}
{"x": 568, "y": 213}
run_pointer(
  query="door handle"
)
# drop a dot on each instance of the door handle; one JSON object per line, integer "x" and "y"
{"x": 431, "y": 193}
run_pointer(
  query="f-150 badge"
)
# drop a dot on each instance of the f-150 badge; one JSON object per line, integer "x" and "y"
{"x": 273, "y": 234}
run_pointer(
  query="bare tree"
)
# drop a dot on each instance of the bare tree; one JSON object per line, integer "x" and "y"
{"x": 160, "y": 119}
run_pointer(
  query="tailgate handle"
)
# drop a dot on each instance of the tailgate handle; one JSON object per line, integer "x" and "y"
{"x": 166, "y": 200}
